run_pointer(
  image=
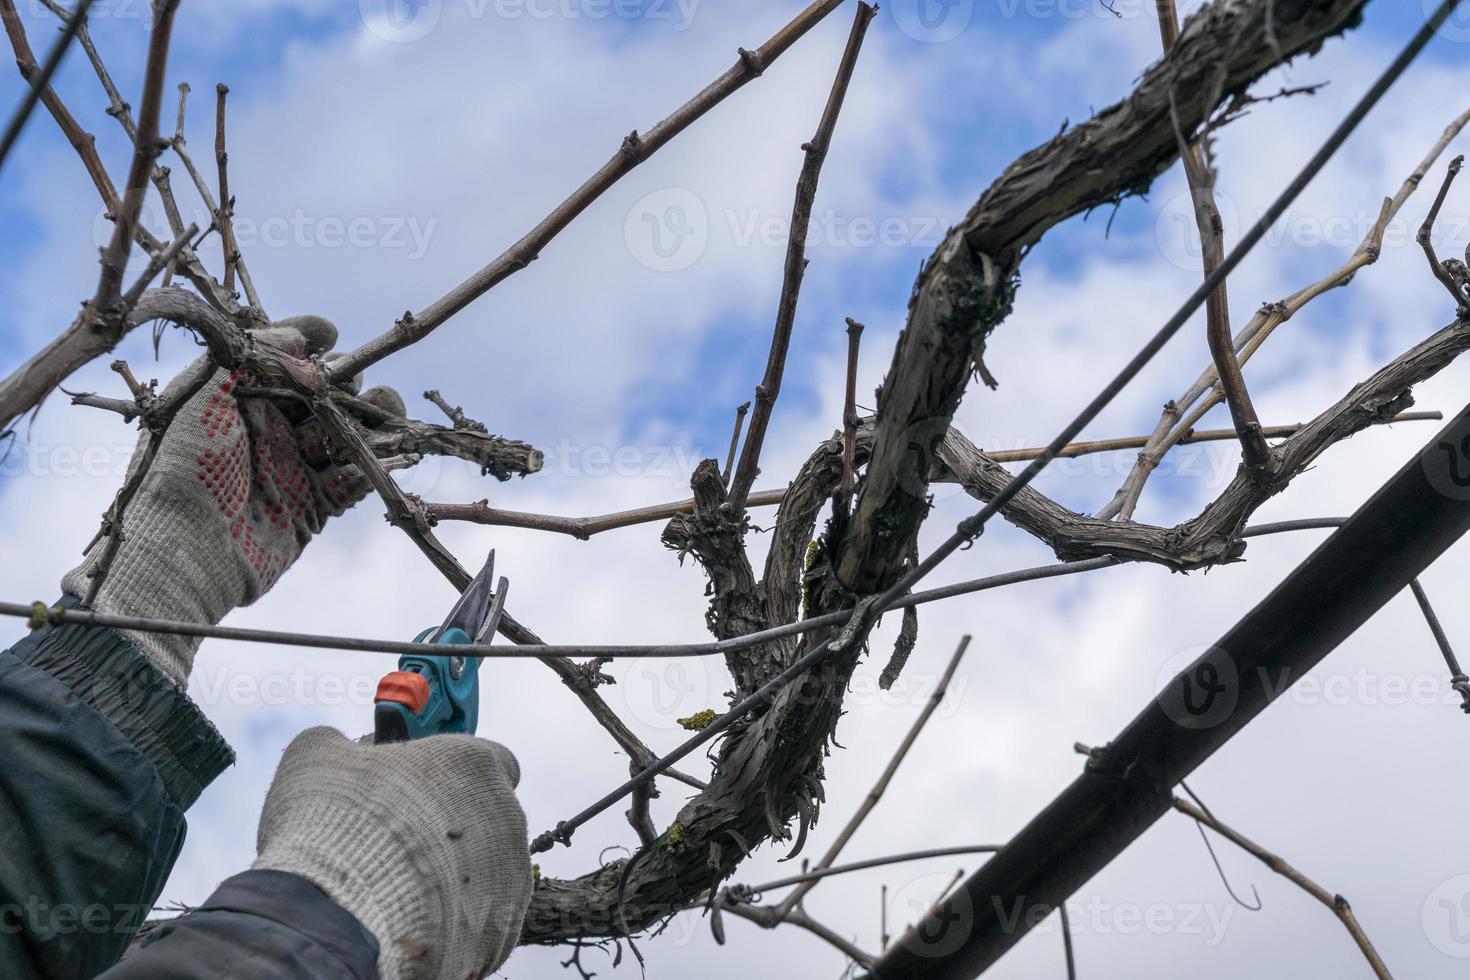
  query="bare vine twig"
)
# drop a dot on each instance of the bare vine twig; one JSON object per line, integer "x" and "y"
{"x": 850, "y": 419}
{"x": 224, "y": 217}
{"x": 1174, "y": 421}
{"x": 1200, "y": 174}
{"x": 815, "y": 152}
{"x": 1336, "y": 903}
{"x": 586, "y": 527}
{"x": 39, "y": 77}
{"x": 1450, "y": 273}
{"x": 880, "y": 787}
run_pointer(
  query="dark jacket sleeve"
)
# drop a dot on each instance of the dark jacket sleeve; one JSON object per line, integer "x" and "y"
{"x": 100, "y": 755}
{"x": 260, "y": 925}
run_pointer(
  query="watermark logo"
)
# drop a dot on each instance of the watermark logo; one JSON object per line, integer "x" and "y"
{"x": 1176, "y": 229}
{"x": 41, "y": 920}
{"x": 677, "y": 13}
{"x": 670, "y": 230}
{"x": 408, "y": 235}
{"x": 422, "y": 478}
{"x": 910, "y": 689}
{"x": 660, "y": 694}
{"x": 932, "y": 21}
{"x": 1446, "y": 917}
{"x": 667, "y": 230}
{"x": 919, "y": 473}
{"x": 405, "y": 21}
{"x": 1096, "y": 916}
{"x": 1198, "y": 687}
{"x": 1447, "y": 462}
{"x": 1456, "y": 27}
{"x": 950, "y": 925}
{"x": 400, "y": 21}
{"x": 139, "y": 12}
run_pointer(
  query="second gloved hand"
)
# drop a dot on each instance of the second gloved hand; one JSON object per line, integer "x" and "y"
{"x": 424, "y": 842}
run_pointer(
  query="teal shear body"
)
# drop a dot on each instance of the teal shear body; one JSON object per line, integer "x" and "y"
{"x": 440, "y": 694}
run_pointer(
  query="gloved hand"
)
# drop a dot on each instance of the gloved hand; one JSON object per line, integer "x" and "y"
{"x": 422, "y": 841}
{"x": 238, "y": 488}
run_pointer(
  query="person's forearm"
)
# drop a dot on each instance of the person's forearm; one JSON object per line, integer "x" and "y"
{"x": 103, "y": 754}
{"x": 261, "y": 924}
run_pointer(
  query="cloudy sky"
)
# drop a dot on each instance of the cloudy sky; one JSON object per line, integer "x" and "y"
{"x": 382, "y": 152}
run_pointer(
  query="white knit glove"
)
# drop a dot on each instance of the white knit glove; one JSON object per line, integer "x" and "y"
{"x": 422, "y": 841}
{"x": 239, "y": 486}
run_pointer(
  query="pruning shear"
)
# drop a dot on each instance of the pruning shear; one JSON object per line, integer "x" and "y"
{"x": 439, "y": 694}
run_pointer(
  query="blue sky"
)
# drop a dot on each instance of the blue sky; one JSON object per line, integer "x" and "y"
{"x": 452, "y": 145}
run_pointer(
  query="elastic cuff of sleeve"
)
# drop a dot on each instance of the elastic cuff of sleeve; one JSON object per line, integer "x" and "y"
{"x": 113, "y": 677}
{"x": 295, "y": 903}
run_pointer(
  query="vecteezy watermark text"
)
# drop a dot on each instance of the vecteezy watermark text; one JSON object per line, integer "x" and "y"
{"x": 405, "y": 21}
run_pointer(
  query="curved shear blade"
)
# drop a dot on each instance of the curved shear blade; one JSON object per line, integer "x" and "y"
{"x": 492, "y": 618}
{"x": 477, "y": 605}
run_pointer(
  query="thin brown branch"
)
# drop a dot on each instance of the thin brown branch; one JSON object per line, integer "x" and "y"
{"x": 849, "y": 419}
{"x": 1458, "y": 287}
{"x": 180, "y": 147}
{"x": 1336, "y": 903}
{"x": 638, "y": 814}
{"x": 81, "y": 140}
{"x": 585, "y": 527}
{"x": 883, "y": 917}
{"x": 881, "y": 786}
{"x": 184, "y": 90}
{"x": 1168, "y": 23}
{"x": 146, "y": 147}
{"x": 40, "y": 80}
{"x": 120, "y": 110}
{"x": 1201, "y": 176}
{"x": 224, "y": 217}
{"x": 222, "y": 298}
{"x": 404, "y": 510}
{"x": 815, "y": 152}
{"x": 99, "y": 326}
{"x": 456, "y": 414}
{"x": 125, "y": 407}
{"x": 636, "y": 148}
{"x": 766, "y": 917}
{"x": 142, "y": 394}
{"x": 1174, "y": 421}
{"x": 396, "y": 435}
{"x": 934, "y": 905}
{"x": 390, "y": 464}
{"x": 1214, "y": 535}
{"x": 94, "y": 331}
{"x": 1190, "y": 436}
{"x": 158, "y": 262}
{"x": 579, "y": 527}
{"x": 117, "y": 107}
{"x": 226, "y": 204}
{"x": 734, "y": 442}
